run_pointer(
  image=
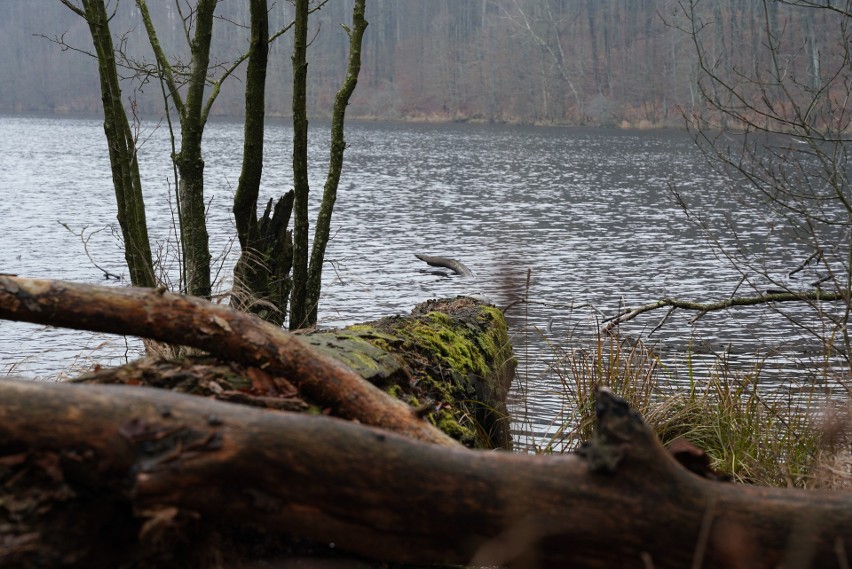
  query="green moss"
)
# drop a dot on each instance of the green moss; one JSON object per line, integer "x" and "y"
{"x": 455, "y": 353}
{"x": 370, "y": 333}
{"x": 471, "y": 351}
{"x": 447, "y": 423}
{"x": 440, "y": 318}
{"x": 461, "y": 347}
{"x": 370, "y": 361}
{"x": 458, "y": 350}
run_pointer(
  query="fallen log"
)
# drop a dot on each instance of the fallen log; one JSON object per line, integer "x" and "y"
{"x": 450, "y": 360}
{"x": 114, "y": 476}
{"x": 219, "y": 330}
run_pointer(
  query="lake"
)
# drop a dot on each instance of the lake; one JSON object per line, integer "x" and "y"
{"x": 587, "y": 213}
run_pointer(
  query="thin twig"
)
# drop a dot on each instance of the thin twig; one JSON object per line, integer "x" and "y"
{"x": 84, "y": 239}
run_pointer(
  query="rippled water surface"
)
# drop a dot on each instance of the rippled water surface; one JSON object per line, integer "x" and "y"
{"x": 587, "y": 212}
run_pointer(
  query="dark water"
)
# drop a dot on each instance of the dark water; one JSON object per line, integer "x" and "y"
{"x": 587, "y": 212}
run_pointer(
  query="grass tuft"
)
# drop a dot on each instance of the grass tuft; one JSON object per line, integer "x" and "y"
{"x": 752, "y": 432}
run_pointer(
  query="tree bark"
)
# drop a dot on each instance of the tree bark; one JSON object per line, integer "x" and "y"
{"x": 190, "y": 164}
{"x": 298, "y": 301}
{"x": 220, "y": 330}
{"x": 153, "y": 472}
{"x": 188, "y": 160}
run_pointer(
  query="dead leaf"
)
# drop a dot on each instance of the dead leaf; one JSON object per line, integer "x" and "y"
{"x": 261, "y": 381}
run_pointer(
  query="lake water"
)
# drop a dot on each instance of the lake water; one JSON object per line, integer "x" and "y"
{"x": 587, "y": 212}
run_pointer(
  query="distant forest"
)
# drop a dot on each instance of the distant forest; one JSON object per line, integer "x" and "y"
{"x": 596, "y": 62}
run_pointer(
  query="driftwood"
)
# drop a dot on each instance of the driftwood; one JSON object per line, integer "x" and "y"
{"x": 456, "y": 266}
{"x": 112, "y": 476}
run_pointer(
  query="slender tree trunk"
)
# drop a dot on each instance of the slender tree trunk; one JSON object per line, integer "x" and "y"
{"x": 245, "y": 199}
{"x": 189, "y": 161}
{"x": 298, "y": 304}
{"x": 335, "y": 167}
{"x": 190, "y": 165}
{"x": 122, "y": 150}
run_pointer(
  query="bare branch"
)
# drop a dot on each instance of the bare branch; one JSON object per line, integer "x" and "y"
{"x": 74, "y": 8}
{"x": 64, "y": 46}
{"x": 190, "y": 321}
{"x": 163, "y": 62}
{"x": 705, "y": 307}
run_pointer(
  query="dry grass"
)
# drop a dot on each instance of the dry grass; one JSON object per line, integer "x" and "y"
{"x": 750, "y": 431}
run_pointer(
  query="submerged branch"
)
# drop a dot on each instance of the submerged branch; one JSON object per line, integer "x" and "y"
{"x": 456, "y": 266}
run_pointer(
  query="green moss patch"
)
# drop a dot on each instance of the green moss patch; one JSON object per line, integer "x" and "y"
{"x": 455, "y": 356}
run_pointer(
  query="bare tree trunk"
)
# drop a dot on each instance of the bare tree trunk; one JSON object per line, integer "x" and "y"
{"x": 335, "y": 166}
{"x": 193, "y": 223}
{"x": 299, "y": 308}
{"x": 193, "y": 117}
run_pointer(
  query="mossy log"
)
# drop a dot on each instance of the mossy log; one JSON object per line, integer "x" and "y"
{"x": 450, "y": 360}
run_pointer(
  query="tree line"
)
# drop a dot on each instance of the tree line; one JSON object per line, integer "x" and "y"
{"x": 598, "y": 62}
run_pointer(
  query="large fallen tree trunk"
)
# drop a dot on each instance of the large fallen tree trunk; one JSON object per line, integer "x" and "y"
{"x": 99, "y": 474}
